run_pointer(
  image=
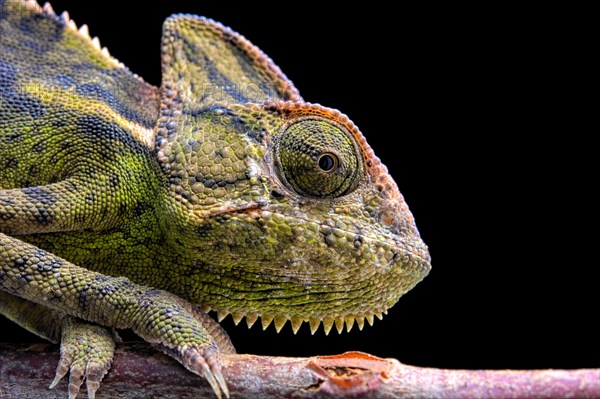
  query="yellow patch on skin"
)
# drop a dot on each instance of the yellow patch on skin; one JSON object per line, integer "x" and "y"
{"x": 68, "y": 98}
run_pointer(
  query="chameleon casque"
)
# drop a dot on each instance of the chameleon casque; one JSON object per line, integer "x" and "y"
{"x": 124, "y": 205}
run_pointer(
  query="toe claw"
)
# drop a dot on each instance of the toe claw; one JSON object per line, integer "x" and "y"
{"x": 57, "y": 377}
{"x": 219, "y": 377}
{"x": 62, "y": 369}
{"x": 76, "y": 376}
{"x": 94, "y": 375}
{"x": 211, "y": 380}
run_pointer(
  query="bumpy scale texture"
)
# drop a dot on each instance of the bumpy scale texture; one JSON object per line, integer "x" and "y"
{"x": 123, "y": 205}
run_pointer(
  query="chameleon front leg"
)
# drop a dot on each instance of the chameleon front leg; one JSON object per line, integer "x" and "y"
{"x": 87, "y": 349}
{"x": 157, "y": 316}
{"x": 63, "y": 206}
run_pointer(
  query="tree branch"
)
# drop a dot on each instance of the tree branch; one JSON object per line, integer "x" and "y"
{"x": 140, "y": 372}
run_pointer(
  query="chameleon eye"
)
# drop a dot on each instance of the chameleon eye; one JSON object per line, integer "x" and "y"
{"x": 318, "y": 159}
{"x": 328, "y": 162}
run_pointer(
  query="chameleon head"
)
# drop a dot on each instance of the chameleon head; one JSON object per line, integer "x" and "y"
{"x": 284, "y": 212}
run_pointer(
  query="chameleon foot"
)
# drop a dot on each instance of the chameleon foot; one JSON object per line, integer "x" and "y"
{"x": 86, "y": 353}
{"x": 202, "y": 360}
{"x": 205, "y": 362}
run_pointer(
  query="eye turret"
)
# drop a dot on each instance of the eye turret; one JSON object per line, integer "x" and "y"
{"x": 318, "y": 159}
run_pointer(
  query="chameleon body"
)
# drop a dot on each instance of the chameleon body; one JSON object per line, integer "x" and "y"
{"x": 124, "y": 205}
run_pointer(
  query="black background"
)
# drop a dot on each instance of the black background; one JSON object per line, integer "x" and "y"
{"x": 470, "y": 109}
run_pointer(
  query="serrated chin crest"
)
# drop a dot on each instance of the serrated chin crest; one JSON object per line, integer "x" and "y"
{"x": 279, "y": 320}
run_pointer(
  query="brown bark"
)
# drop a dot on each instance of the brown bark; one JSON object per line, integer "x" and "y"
{"x": 140, "y": 372}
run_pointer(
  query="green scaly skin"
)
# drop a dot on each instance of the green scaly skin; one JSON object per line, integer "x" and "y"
{"x": 130, "y": 206}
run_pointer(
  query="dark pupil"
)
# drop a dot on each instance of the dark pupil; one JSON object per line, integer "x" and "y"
{"x": 326, "y": 162}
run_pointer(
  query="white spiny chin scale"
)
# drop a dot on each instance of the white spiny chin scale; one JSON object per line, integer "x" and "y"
{"x": 237, "y": 317}
{"x": 251, "y": 319}
{"x": 221, "y": 314}
{"x": 279, "y": 321}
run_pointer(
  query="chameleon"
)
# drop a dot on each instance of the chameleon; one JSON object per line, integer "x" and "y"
{"x": 129, "y": 206}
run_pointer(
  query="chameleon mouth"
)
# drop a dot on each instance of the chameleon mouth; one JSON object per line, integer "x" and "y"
{"x": 280, "y": 320}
